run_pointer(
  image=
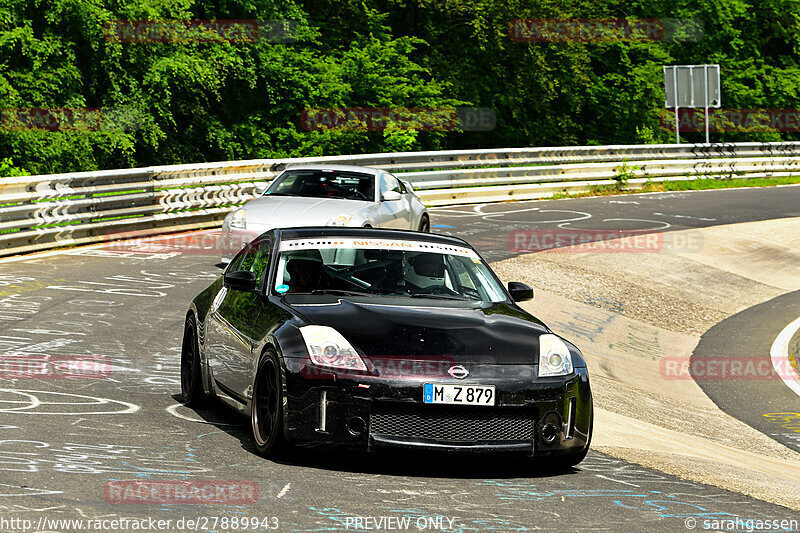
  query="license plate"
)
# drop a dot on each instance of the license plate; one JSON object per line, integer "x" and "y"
{"x": 458, "y": 394}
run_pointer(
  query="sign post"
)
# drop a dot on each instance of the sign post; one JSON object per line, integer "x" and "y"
{"x": 692, "y": 86}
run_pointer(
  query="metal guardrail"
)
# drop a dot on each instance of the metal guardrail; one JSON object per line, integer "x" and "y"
{"x": 40, "y": 212}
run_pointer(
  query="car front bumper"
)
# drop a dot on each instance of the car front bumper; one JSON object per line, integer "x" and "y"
{"x": 531, "y": 415}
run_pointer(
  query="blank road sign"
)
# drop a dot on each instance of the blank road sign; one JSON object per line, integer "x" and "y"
{"x": 698, "y": 86}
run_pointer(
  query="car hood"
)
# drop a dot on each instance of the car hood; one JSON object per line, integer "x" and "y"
{"x": 494, "y": 334}
{"x": 292, "y": 211}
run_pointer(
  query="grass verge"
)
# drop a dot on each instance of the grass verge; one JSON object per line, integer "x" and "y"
{"x": 682, "y": 185}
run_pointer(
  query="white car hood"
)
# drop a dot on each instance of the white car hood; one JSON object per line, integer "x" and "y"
{"x": 294, "y": 211}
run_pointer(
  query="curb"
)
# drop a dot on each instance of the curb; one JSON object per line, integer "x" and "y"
{"x": 784, "y": 354}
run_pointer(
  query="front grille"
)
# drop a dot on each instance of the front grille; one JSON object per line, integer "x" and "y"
{"x": 452, "y": 423}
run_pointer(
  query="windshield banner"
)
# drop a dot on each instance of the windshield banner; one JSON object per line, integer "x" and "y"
{"x": 328, "y": 243}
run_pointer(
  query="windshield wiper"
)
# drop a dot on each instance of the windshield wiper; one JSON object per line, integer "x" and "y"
{"x": 342, "y": 292}
{"x": 339, "y": 197}
{"x": 438, "y": 296}
{"x": 280, "y": 194}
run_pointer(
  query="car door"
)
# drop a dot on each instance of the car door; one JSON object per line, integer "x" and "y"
{"x": 395, "y": 212}
{"x": 231, "y": 320}
{"x": 415, "y": 206}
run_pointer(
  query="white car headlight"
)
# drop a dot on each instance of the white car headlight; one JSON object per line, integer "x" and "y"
{"x": 341, "y": 220}
{"x": 239, "y": 219}
{"x": 327, "y": 347}
{"x": 554, "y": 356}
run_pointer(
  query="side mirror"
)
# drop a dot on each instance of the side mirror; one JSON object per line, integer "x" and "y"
{"x": 391, "y": 196}
{"x": 519, "y": 291}
{"x": 261, "y": 186}
{"x": 240, "y": 280}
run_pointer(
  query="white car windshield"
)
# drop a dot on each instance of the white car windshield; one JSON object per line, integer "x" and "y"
{"x": 324, "y": 184}
{"x": 379, "y": 268}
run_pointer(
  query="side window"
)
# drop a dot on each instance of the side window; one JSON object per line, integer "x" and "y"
{"x": 236, "y": 263}
{"x": 254, "y": 258}
{"x": 389, "y": 183}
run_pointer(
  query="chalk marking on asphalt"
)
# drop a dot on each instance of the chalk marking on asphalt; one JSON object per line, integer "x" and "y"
{"x": 452, "y": 211}
{"x": 172, "y": 410}
{"x": 38, "y": 255}
{"x": 29, "y": 407}
{"x": 30, "y": 256}
{"x": 489, "y": 217}
{"x": 210, "y": 433}
{"x": 284, "y": 490}
{"x": 617, "y": 480}
{"x": 664, "y": 226}
{"x": 779, "y": 353}
{"x": 479, "y": 209}
{"x": 48, "y": 332}
{"x": 686, "y": 216}
{"x": 17, "y": 490}
{"x": 581, "y": 216}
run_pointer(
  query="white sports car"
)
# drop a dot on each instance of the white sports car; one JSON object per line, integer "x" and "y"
{"x": 330, "y": 195}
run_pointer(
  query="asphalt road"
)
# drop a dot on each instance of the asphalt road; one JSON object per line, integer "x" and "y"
{"x": 67, "y": 446}
{"x": 746, "y": 338}
{"x": 492, "y": 227}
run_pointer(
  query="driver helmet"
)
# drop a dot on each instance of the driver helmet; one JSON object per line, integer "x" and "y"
{"x": 425, "y": 270}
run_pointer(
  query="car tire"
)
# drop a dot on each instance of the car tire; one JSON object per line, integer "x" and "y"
{"x": 266, "y": 409}
{"x": 424, "y": 225}
{"x": 192, "y": 392}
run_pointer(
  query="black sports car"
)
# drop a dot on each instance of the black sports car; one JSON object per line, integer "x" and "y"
{"x": 379, "y": 338}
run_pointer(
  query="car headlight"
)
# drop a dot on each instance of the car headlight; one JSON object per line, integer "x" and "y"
{"x": 341, "y": 220}
{"x": 327, "y": 347}
{"x": 554, "y": 356}
{"x": 239, "y": 219}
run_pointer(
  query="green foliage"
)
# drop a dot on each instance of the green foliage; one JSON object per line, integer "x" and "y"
{"x": 399, "y": 140}
{"x": 647, "y": 135}
{"x": 624, "y": 173}
{"x": 7, "y": 169}
{"x": 211, "y": 101}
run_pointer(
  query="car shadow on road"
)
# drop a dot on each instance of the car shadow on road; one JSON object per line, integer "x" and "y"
{"x": 422, "y": 464}
{"x": 384, "y": 462}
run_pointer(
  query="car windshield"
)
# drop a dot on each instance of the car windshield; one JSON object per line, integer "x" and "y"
{"x": 379, "y": 268}
{"x": 324, "y": 184}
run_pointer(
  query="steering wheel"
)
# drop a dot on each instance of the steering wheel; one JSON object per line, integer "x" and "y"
{"x": 342, "y": 193}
